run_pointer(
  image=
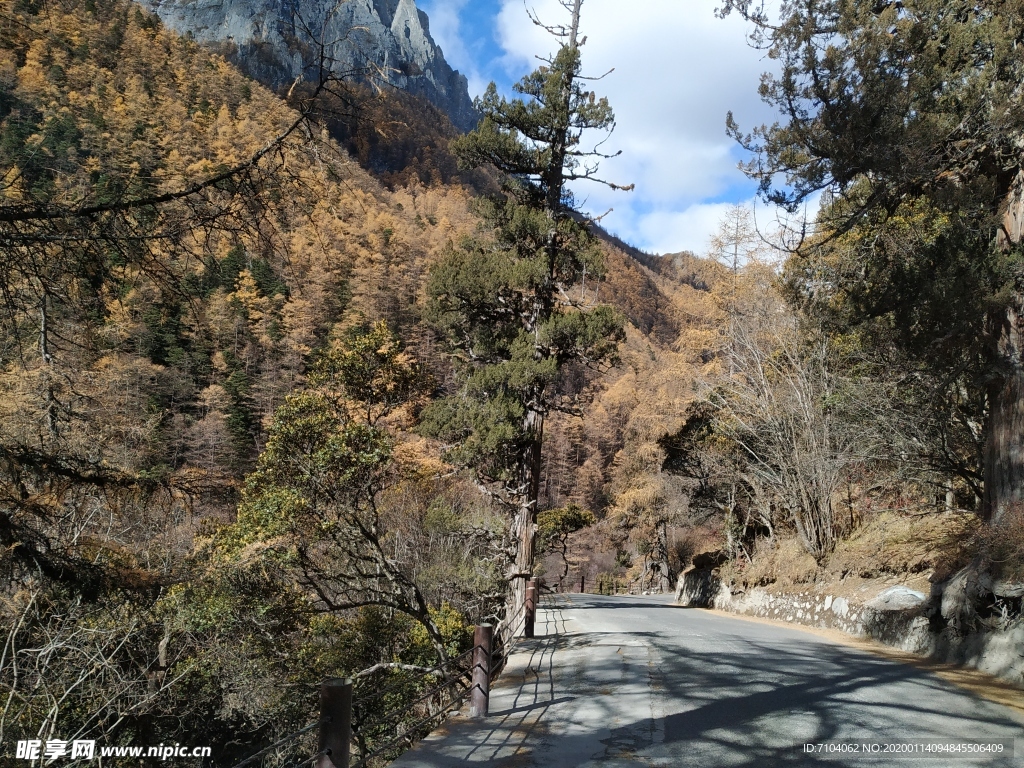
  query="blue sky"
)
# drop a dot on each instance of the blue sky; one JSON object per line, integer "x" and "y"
{"x": 678, "y": 70}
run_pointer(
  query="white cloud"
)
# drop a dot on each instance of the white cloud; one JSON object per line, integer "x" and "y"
{"x": 678, "y": 71}
{"x": 671, "y": 231}
{"x": 690, "y": 229}
{"x": 447, "y": 31}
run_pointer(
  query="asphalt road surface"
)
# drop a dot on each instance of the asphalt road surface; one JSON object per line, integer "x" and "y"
{"x": 637, "y": 681}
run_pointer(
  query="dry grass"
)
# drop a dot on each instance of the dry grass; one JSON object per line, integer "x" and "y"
{"x": 888, "y": 547}
{"x": 891, "y": 544}
{"x": 786, "y": 564}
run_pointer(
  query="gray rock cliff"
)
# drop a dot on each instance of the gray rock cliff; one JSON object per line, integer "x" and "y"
{"x": 277, "y": 40}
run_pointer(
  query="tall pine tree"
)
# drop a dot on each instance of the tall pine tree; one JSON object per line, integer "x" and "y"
{"x": 507, "y": 307}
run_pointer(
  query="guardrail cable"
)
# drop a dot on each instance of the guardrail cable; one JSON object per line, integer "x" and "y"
{"x": 427, "y": 695}
{"x": 308, "y": 761}
{"x": 500, "y": 656}
{"x": 412, "y": 729}
{"x": 276, "y": 745}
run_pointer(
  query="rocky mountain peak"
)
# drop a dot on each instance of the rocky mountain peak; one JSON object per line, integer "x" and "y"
{"x": 277, "y": 40}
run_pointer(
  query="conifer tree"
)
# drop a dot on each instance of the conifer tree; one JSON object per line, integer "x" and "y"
{"x": 506, "y": 307}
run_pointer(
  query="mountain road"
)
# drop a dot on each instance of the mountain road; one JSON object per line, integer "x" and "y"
{"x": 638, "y": 681}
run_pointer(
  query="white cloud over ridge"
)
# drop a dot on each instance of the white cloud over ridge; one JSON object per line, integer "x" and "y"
{"x": 677, "y": 71}
{"x": 669, "y": 231}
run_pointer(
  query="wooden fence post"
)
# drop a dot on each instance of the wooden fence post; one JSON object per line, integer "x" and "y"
{"x": 335, "y": 723}
{"x": 480, "y": 694}
{"x": 531, "y": 608}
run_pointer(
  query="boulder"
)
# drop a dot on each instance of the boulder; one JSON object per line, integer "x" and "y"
{"x": 898, "y": 598}
{"x": 1007, "y": 589}
{"x": 699, "y": 588}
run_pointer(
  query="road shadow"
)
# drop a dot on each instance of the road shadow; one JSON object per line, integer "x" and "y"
{"x": 578, "y": 601}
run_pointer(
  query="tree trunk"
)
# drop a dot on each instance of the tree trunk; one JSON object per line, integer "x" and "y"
{"x": 526, "y": 516}
{"x": 556, "y": 165}
{"x": 664, "y": 575}
{"x": 44, "y": 352}
{"x": 1004, "y": 441}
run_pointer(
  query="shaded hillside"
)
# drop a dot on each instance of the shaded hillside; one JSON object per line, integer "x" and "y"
{"x": 682, "y": 267}
{"x": 399, "y": 137}
{"x": 634, "y": 290}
